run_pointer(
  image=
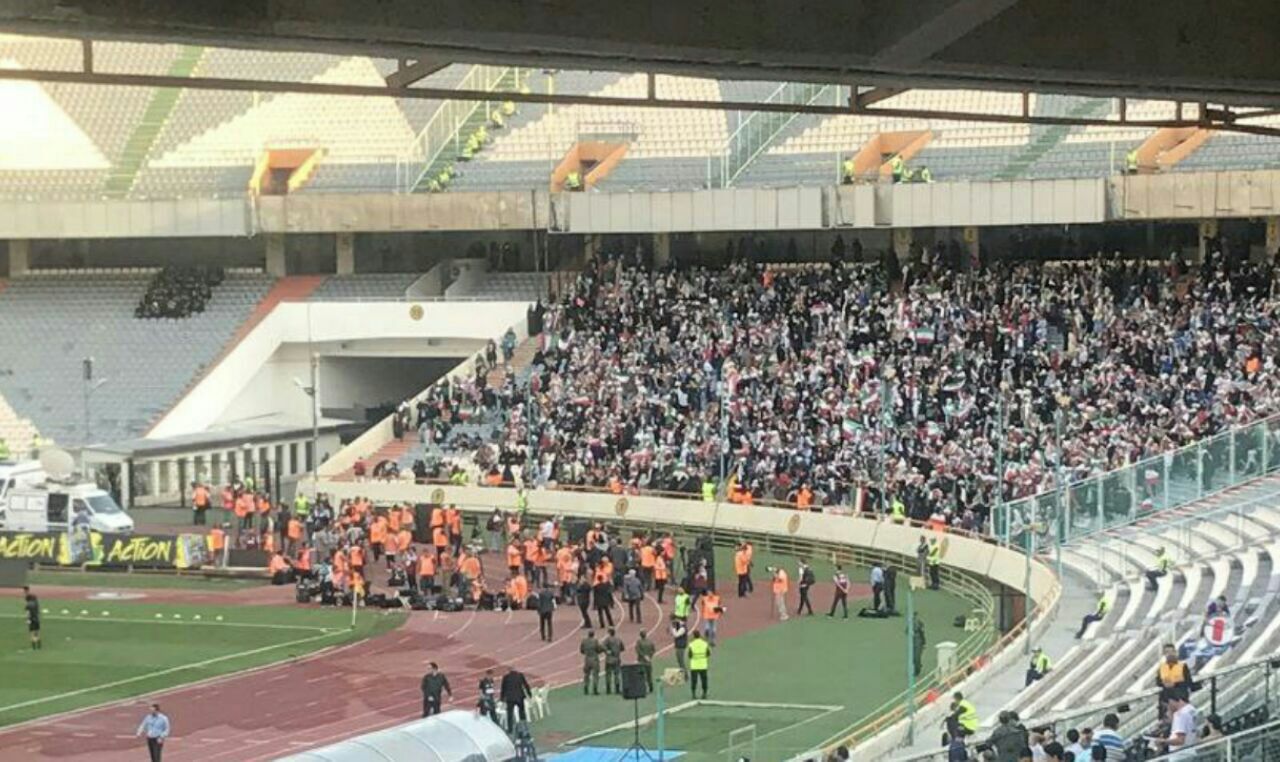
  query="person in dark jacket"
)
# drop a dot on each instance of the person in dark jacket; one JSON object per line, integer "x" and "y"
{"x": 1009, "y": 738}
{"x": 515, "y": 689}
{"x": 546, "y": 607}
{"x": 583, "y": 596}
{"x": 602, "y": 601}
{"x": 633, "y": 594}
{"x": 487, "y": 705}
{"x": 433, "y": 684}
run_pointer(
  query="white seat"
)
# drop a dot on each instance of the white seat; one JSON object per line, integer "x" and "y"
{"x": 539, "y": 704}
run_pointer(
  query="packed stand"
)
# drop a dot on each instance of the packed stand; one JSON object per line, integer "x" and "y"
{"x": 179, "y": 291}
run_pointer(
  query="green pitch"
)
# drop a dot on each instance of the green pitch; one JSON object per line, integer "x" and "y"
{"x": 824, "y": 676}
{"x": 99, "y": 651}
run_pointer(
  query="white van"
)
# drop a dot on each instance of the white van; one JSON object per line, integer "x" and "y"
{"x": 55, "y": 507}
{"x": 27, "y": 473}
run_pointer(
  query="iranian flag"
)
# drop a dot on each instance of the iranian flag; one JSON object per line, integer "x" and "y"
{"x": 923, "y": 335}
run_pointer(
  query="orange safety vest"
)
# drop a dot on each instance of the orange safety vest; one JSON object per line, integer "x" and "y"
{"x": 470, "y": 567}
{"x": 378, "y": 530}
{"x": 780, "y": 581}
{"x": 393, "y": 521}
{"x": 392, "y": 544}
{"x": 531, "y": 550}
{"x": 228, "y": 498}
{"x": 244, "y": 506}
{"x": 340, "y": 561}
{"x": 437, "y": 517}
{"x": 513, "y": 555}
{"x": 357, "y": 556}
{"x": 200, "y": 498}
{"x": 741, "y": 563}
{"x": 264, "y": 506}
{"x": 406, "y": 518}
{"x": 276, "y": 564}
{"x": 804, "y": 499}
{"x": 647, "y": 557}
{"x": 453, "y": 517}
{"x": 669, "y": 548}
{"x": 426, "y": 565}
{"x": 710, "y": 602}
{"x": 405, "y": 538}
{"x": 217, "y": 539}
{"x": 304, "y": 559}
{"x": 660, "y": 569}
{"x": 269, "y": 542}
{"x": 295, "y": 529}
{"x": 439, "y": 538}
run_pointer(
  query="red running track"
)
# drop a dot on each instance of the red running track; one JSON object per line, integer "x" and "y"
{"x": 320, "y": 699}
{"x": 345, "y": 691}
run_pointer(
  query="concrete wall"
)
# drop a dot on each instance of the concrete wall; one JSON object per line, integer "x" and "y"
{"x": 303, "y": 322}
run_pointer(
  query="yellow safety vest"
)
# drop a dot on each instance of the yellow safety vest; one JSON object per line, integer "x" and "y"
{"x": 699, "y": 654}
{"x": 683, "y": 603}
{"x": 968, "y": 718}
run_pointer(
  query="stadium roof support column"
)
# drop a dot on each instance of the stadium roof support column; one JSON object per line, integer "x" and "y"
{"x": 19, "y": 257}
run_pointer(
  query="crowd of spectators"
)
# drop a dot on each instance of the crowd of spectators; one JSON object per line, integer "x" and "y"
{"x": 179, "y": 291}
{"x": 834, "y": 379}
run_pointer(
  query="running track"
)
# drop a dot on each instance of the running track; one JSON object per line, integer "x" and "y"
{"x": 341, "y": 692}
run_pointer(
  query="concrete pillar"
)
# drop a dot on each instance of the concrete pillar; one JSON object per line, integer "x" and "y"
{"x": 591, "y": 246}
{"x": 346, "y": 248}
{"x": 19, "y": 257}
{"x": 1208, "y": 229}
{"x": 153, "y": 476}
{"x": 276, "y": 264}
{"x": 661, "y": 249}
{"x": 1273, "y": 236}
{"x": 902, "y": 238}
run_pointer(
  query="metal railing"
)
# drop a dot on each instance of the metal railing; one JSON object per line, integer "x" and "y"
{"x": 758, "y": 130}
{"x": 1259, "y": 744}
{"x": 1169, "y": 480}
{"x": 441, "y": 131}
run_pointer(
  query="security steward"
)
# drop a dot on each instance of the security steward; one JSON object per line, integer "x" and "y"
{"x": 963, "y": 720}
{"x": 645, "y": 651}
{"x": 699, "y": 652}
{"x": 1040, "y": 665}
{"x": 433, "y": 684}
{"x": 613, "y": 648}
{"x": 590, "y": 650}
{"x": 683, "y": 604}
{"x": 935, "y": 564}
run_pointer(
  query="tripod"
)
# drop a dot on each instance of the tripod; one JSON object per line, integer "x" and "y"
{"x": 636, "y": 748}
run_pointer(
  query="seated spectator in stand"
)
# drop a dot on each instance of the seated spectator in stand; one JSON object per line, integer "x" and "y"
{"x": 178, "y": 292}
{"x": 1110, "y": 739}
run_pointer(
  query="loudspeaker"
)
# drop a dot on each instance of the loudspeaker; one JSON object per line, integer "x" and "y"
{"x": 634, "y": 684}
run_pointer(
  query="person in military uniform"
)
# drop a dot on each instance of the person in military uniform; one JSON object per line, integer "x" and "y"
{"x": 917, "y": 645}
{"x": 613, "y": 648}
{"x": 645, "y": 651}
{"x": 590, "y": 650}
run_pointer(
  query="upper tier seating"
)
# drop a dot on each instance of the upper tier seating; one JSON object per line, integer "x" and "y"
{"x": 53, "y": 322}
{"x": 381, "y": 286}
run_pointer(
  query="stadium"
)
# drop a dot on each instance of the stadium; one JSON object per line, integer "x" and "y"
{"x": 878, "y": 381}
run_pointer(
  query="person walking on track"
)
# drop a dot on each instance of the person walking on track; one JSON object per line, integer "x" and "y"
{"x": 487, "y": 705}
{"x": 807, "y": 581}
{"x": 633, "y": 594}
{"x": 590, "y": 650}
{"x": 433, "y": 684}
{"x": 699, "y": 659}
{"x": 841, "y": 596}
{"x": 515, "y": 689}
{"x": 780, "y": 585}
{"x": 546, "y": 608}
{"x": 155, "y": 727}
{"x": 582, "y": 595}
{"x": 711, "y": 611}
{"x": 742, "y": 567}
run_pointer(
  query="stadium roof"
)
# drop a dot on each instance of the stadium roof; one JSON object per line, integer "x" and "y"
{"x": 1219, "y": 52}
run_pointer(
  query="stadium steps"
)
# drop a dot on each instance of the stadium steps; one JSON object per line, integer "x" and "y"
{"x": 163, "y": 101}
{"x": 294, "y": 288}
{"x": 1049, "y": 138}
{"x": 508, "y": 82}
{"x": 521, "y": 359}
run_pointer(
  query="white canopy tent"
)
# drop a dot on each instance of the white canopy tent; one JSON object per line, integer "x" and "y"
{"x": 456, "y": 736}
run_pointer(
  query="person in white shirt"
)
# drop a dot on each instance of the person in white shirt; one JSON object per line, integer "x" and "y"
{"x": 1183, "y": 725}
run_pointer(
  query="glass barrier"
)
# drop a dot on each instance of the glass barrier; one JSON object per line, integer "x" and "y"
{"x": 757, "y": 130}
{"x": 1165, "y": 481}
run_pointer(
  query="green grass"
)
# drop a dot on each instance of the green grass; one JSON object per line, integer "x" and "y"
{"x": 139, "y": 648}
{"x": 857, "y": 664}
{"x": 121, "y": 580}
{"x": 708, "y": 727}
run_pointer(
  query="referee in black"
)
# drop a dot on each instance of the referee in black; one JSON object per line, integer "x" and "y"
{"x": 433, "y": 684}
{"x": 33, "y": 616}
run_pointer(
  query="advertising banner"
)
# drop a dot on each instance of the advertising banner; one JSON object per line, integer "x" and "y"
{"x": 86, "y": 548}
